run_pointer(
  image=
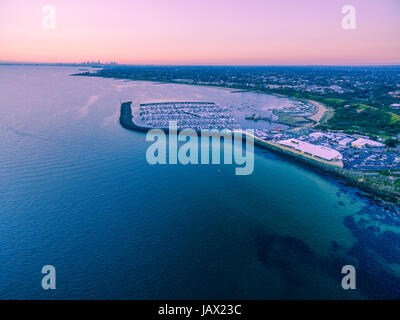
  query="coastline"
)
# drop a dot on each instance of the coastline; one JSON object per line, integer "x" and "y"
{"x": 321, "y": 114}
{"x": 321, "y": 109}
{"x": 336, "y": 169}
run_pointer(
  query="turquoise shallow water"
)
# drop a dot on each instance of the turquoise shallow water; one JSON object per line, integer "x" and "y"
{"x": 76, "y": 192}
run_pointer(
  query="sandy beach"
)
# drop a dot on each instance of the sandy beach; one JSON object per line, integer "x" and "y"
{"x": 321, "y": 109}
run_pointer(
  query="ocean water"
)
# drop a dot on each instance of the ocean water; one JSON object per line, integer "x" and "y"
{"x": 76, "y": 192}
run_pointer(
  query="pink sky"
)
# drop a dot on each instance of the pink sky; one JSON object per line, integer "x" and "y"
{"x": 251, "y": 32}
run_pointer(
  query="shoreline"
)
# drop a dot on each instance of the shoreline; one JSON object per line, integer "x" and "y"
{"x": 320, "y": 114}
{"x": 352, "y": 177}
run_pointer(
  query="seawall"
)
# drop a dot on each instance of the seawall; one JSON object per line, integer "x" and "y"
{"x": 125, "y": 118}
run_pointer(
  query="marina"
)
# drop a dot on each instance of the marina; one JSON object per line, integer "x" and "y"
{"x": 194, "y": 115}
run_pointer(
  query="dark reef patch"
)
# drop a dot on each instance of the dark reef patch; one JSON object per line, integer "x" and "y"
{"x": 375, "y": 255}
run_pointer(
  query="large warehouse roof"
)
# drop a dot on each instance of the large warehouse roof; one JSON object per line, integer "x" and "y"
{"x": 318, "y": 151}
{"x": 366, "y": 142}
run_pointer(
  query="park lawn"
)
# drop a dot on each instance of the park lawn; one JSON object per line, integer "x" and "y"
{"x": 334, "y": 101}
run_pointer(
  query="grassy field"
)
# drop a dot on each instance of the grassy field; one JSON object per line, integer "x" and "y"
{"x": 355, "y": 117}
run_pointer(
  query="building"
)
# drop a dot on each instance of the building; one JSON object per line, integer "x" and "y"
{"x": 317, "y": 135}
{"x": 312, "y": 149}
{"x": 364, "y": 143}
{"x": 345, "y": 142}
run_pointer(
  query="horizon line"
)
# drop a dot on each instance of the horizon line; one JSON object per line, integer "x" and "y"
{"x": 114, "y": 63}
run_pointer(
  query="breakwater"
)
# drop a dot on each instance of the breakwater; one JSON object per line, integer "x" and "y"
{"x": 125, "y": 118}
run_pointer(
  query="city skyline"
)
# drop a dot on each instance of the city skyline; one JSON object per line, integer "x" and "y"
{"x": 206, "y": 33}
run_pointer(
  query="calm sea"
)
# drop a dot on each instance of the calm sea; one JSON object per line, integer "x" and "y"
{"x": 77, "y": 193}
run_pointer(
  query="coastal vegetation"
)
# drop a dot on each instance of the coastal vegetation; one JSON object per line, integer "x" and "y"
{"x": 352, "y": 117}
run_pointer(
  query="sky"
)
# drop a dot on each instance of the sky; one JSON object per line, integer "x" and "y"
{"x": 201, "y": 32}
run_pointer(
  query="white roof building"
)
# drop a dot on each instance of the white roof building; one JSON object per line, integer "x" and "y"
{"x": 312, "y": 149}
{"x": 345, "y": 141}
{"x": 317, "y": 135}
{"x": 363, "y": 143}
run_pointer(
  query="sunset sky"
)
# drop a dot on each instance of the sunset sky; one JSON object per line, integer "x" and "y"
{"x": 222, "y": 32}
